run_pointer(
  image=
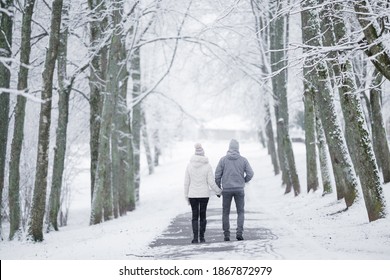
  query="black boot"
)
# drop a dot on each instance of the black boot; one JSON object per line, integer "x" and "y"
{"x": 195, "y": 230}
{"x": 203, "y": 224}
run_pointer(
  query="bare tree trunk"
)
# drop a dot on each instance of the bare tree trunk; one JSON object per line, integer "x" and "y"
{"x": 116, "y": 163}
{"x": 122, "y": 157}
{"x": 108, "y": 199}
{"x": 381, "y": 146}
{"x": 5, "y": 77}
{"x": 121, "y": 146}
{"x": 65, "y": 88}
{"x": 279, "y": 83}
{"x": 129, "y": 166}
{"x": 97, "y": 80}
{"x": 39, "y": 197}
{"x": 262, "y": 33}
{"x": 103, "y": 168}
{"x": 310, "y": 29}
{"x": 271, "y": 140}
{"x": 145, "y": 138}
{"x": 276, "y": 58}
{"x": 17, "y": 140}
{"x": 157, "y": 148}
{"x": 346, "y": 179}
{"x": 323, "y": 155}
{"x": 287, "y": 146}
{"x": 136, "y": 119}
{"x": 356, "y": 128}
{"x": 103, "y": 200}
{"x": 310, "y": 139}
{"x": 360, "y": 73}
{"x": 328, "y": 39}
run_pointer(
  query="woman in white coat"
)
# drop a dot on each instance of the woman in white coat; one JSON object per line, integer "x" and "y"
{"x": 199, "y": 178}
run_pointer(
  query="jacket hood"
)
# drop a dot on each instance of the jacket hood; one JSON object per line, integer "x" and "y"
{"x": 233, "y": 154}
{"x": 198, "y": 161}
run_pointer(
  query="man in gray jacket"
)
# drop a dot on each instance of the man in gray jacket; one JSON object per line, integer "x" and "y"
{"x": 231, "y": 174}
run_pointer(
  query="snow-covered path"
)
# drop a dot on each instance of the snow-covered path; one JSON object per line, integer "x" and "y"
{"x": 304, "y": 227}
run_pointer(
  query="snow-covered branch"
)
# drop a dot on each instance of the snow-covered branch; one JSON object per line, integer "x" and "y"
{"x": 151, "y": 89}
{"x": 22, "y": 93}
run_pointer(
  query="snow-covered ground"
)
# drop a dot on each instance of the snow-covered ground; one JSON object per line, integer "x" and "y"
{"x": 307, "y": 227}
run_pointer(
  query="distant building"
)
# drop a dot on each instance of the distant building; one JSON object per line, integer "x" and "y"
{"x": 228, "y": 127}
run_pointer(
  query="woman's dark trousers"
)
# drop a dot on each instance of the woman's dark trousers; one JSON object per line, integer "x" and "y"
{"x": 199, "y": 208}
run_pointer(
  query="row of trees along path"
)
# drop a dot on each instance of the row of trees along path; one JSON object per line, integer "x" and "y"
{"x": 344, "y": 62}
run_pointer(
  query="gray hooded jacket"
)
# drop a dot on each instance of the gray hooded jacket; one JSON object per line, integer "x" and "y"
{"x": 233, "y": 170}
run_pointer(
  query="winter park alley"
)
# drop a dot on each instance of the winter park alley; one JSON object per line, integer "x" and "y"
{"x": 277, "y": 226}
{"x": 120, "y": 121}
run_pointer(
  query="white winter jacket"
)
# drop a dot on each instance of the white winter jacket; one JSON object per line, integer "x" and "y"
{"x": 199, "y": 178}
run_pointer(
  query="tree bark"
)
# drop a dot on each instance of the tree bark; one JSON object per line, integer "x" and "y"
{"x": 279, "y": 83}
{"x": 262, "y": 34}
{"x": 145, "y": 139}
{"x": 310, "y": 27}
{"x": 271, "y": 140}
{"x": 287, "y": 146}
{"x": 356, "y": 128}
{"x": 97, "y": 80}
{"x": 276, "y": 58}
{"x": 341, "y": 161}
{"x": 323, "y": 155}
{"x": 379, "y": 139}
{"x": 7, "y": 19}
{"x": 39, "y": 196}
{"x": 102, "y": 200}
{"x": 18, "y": 135}
{"x": 328, "y": 39}
{"x": 345, "y": 177}
{"x": 122, "y": 153}
{"x": 310, "y": 140}
{"x": 65, "y": 88}
{"x": 157, "y": 148}
{"x": 136, "y": 119}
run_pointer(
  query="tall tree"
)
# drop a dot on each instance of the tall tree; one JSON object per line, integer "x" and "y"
{"x": 323, "y": 156}
{"x": 136, "y": 118}
{"x": 309, "y": 36}
{"x": 18, "y": 135}
{"x": 346, "y": 181}
{"x": 7, "y": 19}
{"x": 157, "y": 148}
{"x": 342, "y": 165}
{"x": 379, "y": 139}
{"x": 262, "y": 35}
{"x": 326, "y": 28}
{"x": 39, "y": 197}
{"x": 356, "y": 128}
{"x": 65, "y": 87}
{"x": 122, "y": 150}
{"x": 103, "y": 197}
{"x": 279, "y": 61}
{"x": 97, "y": 78}
{"x": 145, "y": 139}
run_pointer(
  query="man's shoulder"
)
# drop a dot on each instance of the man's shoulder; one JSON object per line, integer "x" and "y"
{"x": 222, "y": 159}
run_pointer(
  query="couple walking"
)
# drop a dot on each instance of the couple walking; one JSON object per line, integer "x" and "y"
{"x": 231, "y": 174}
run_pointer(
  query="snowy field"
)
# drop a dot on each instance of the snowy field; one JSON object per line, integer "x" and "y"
{"x": 308, "y": 227}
